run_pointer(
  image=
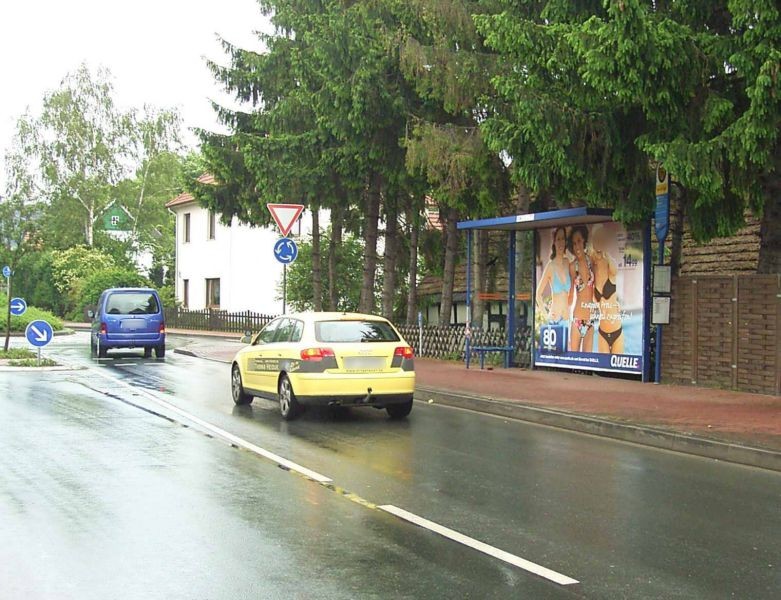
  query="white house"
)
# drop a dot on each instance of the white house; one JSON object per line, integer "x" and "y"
{"x": 231, "y": 268}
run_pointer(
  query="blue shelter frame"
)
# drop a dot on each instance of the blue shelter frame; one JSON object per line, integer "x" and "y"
{"x": 532, "y": 222}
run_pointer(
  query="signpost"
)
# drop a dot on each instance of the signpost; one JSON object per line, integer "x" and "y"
{"x": 286, "y": 252}
{"x": 285, "y": 249}
{"x": 18, "y": 307}
{"x": 39, "y": 333}
{"x": 285, "y": 215}
{"x": 662, "y": 226}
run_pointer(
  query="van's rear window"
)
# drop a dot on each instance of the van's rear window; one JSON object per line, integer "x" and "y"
{"x": 354, "y": 331}
{"x": 132, "y": 303}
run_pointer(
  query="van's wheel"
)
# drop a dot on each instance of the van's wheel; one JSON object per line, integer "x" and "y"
{"x": 160, "y": 351}
{"x": 147, "y": 352}
{"x": 289, "y": 407}
{"x": 399, "y": 411}
{"x": 93, "y": 349}
{"x": 102, "y": 351}
{"x": 240, "y": 397}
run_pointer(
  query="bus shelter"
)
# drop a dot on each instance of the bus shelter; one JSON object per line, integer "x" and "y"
{"x": 590, "y": 290}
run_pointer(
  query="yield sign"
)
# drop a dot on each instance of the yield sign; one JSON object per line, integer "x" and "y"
{"x": 285, "y": 215}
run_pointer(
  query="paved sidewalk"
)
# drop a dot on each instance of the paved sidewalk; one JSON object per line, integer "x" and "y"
{"x": 731, "y": 426}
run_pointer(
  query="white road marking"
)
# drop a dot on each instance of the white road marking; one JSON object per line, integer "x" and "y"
{"x": 479, "y": 546}
{"x": 446, "y": 532}
{"x": 234, "y": 439}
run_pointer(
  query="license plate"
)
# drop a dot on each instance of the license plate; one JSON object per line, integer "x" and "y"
{"x": 133, "y": 324}
{"x": 364, "y": 363}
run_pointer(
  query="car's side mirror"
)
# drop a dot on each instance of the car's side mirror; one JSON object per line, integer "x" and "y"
{"x": 246, "y": 339}
{"x": 91, "y": 314}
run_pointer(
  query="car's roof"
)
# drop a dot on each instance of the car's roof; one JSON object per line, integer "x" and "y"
{"x": 334, "y": 316}
{"x": 131, "y": 289}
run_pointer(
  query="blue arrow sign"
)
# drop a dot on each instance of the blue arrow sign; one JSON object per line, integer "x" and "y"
{"x": 285, "y": 251}
{"x": 18, "y": 306}
{"x": 39, "y": 333}
{"x": 6, "y": 271}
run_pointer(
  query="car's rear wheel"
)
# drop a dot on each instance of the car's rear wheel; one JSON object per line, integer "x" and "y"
{"x": 399, "y": 411}
{"x": 160, "y": 351}
{"x": 147, "y": 352}
{"x": 240, "y": 397}
{"x": 102, "y": 350}
{"x": 289, "y": 407}
{"x": 93, "y": 350}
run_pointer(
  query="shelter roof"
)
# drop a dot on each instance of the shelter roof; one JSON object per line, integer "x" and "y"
{"x": 553, "y": 218}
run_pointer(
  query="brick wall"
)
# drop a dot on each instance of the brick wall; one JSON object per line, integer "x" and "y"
{"x": 725, "y": 332}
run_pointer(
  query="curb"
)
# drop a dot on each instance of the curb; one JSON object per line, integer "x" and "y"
{"x": 637, "y": 434}
{"x": 187, "y": 352}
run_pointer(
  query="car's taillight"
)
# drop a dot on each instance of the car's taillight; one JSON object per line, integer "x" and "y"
{"x": 316, "y": 353}
{"x": 162, "y": 328}
{"x": 404, "y": 352}
{"x": 103, "y": 328}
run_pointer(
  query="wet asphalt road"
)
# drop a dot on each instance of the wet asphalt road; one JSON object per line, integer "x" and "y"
{"x": 109, "y": 489}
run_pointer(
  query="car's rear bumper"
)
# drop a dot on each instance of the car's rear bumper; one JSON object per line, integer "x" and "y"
{"x": 381, "y": 390}
{"x": 147, "y": 340}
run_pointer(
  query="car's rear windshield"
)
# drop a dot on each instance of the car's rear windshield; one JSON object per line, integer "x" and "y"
{"x": 354, "y": 331}
{"x": 132, "y": 303}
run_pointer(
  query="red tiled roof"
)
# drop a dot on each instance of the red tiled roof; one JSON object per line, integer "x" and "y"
{"x": 183, "y": 198}
{"x": 187, "y": 198}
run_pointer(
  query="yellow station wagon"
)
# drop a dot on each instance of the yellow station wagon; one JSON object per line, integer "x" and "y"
{"x": 326, "y": 359}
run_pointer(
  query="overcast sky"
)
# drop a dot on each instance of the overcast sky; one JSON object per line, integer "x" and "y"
{"x": 155, "y": 50}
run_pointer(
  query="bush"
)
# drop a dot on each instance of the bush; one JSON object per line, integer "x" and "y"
{"x": 19, "y": 324}
{"x": 89, "y": 289}
{"x": 35, "y": 282}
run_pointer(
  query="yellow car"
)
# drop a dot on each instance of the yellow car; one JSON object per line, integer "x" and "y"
{"x": 326, "y": 359}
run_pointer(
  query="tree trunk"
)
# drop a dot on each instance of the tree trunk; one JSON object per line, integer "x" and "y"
{"x": 317, "y": 275}
{"x": 390, "y": 259}
{"x": 480, "y": 260}
{"x": 90, "y": 227}
{"x": 373, "y": 193}
{"x": 448, "y": 276}
{"x": 413, "y": 219}
{"x": 770, "y": 233}
{"x": 333, "y": 267}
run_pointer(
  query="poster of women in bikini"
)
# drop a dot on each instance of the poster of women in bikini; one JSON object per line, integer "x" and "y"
{"x": 589, "y": 298}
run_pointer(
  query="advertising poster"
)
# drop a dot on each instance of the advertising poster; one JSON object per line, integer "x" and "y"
{"x": 589, "y": 298}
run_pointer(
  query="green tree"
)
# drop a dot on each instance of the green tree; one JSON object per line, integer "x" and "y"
{"x": 300, "y": 293}
{"x": 596, "y": 94}
{"x": 19, "y": 213}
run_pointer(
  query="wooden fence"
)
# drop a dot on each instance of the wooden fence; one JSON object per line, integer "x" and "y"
{"x": 450, "y": 342}
{"x": 215, "y": 320}
{"x": 724, "y": 332}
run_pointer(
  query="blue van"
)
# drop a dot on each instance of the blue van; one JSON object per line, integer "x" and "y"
{"x": 128, "y": 318}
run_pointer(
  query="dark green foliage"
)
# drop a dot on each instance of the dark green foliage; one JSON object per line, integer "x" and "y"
{"x": 33, "y": 313}
{"x": 35, "y": 282}
{"x": 597, "y": 93}
{"x": 90, "y": 289}
{"x": 299, "y": 279}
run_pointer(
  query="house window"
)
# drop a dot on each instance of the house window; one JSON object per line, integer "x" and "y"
{"x": 212, "y": 224}
{"x": 212, "y": 293}
{"x": 186, "y": 293}
{"x": 186, "y": 228}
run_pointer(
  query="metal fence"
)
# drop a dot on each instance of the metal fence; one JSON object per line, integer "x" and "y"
{"x": 215, "y": 320}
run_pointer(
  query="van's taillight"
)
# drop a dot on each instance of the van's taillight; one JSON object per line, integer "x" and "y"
{"x": 316, "y": 353}
{"x": 103, "y": 328}
{"x": 404, "y": 352}
{"x": 162, "y": 328}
